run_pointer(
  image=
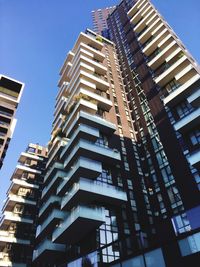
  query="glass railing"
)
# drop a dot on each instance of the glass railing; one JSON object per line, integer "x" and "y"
{"x": 148, "y": 41}
{"x": 8, "y": 92}
{"x": 6, "y": 113}
{"x": 142, "y": 31}
{"x": 154, "y": 54}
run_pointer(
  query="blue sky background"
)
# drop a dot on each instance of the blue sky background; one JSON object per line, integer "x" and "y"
{"x": 35, "y": 38}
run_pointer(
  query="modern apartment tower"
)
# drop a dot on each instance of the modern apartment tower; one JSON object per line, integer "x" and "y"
{"x": 121, "y": 186}
{"x": 10, "y": 94}
{"x": 99, "y": 19}
{"x": 19, "y": 214}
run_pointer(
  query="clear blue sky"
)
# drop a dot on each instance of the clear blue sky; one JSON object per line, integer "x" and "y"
{"x": 35, "y": 37}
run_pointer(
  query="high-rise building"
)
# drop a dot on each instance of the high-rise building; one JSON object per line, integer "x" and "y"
{"x": 19, "y": 213}
{"x": 10, "y": 94}
{"x": 121, "y": 186}
{"x": 99, "y": 18}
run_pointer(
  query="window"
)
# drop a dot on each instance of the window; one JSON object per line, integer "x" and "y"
{"x": 190, "y": 245}
{"x": 195, "y": 137}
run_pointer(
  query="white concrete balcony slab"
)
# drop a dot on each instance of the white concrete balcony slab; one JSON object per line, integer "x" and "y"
{"x": 60, "y": 107}
{"x": 140, "y": 13}
{"x": 162, "y": 55}
{"x": 51, "y": 202}
{"x": 88, "y": 40}
{"x": 194, "y": 98}
{"x": 52, "y": 185}
{"x": 83, "y": 167}
{"x": 49, "y": 251}
{"x": 83, "y": 131}
{"x": 17, "y": 183}
{"x": 97, "y": 122}
{"x": 50, "y": 223}
{"x": 99, "y": 81}
{"x": 24, "y": 156}
{"x": 93, "y": 151}
{"x": 82, "y": 105}
{"x": 13, "y": 217}
{"x": 188, "y": 122}
{"x": 147, "y": 31}
{"x": 79, "y": 223}
{"x": 21, "y": 168}
{"x": 181, "y": 92}
{"x": 57, "y": 149}
{"x": 96, "y": 53}
{"x": 172, "y": 71}
{"x": 69, "y": 58}
{"x": 6, "y": 237}
{"x": 12, "y": 200}
{"x": 56, "y": 167}
{"x": 136, "y": 7}
{"x": 87, "y": 191}
{"x": 194, "y": 159}
{"x": 156, "y": 39}
{"x": 149, "y": 13}
{"x": 62, "y": 91}
{"x": 88, "y": 58}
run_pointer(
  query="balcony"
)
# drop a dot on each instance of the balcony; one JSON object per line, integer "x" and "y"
{"x": 62, "y": 91}
{"x": 145, "y": 20}
{"x": 160, "y": 55}
{"x": 194, "y": 159}
{"x": 14, "y": 199}
{"x": 149, "y": 30}
{"x": 188, "y": 122}
{"x": 24, "y": 156}
{"x": 96, "y": 53}
{"x": 140, "y": 13}
{"x": 83, "y": 167}
{"x": 59, "y": 109}
{"x": 13, "y": 217}
{"x": 49, "y": 251}
{"x": 22, "y": 168}
{"x": 170, "y": 69}
{"x": 93, "y": 151}
{"x": 83, "y": 105}
{"x": 56, "y": 148}
{"x": 51, "y": 187}
{"x": 83, "y": 131}
{"x": 17, "y": 183}
{"x": 189, "y": 84}
{"x": 94, "y": 121}
{"x": 53, "y": 201}
{"x": 135, "y": 8}
{"x": 6, "y": 237}
{"x": 88, "y": 40}
{"x": 83, "y": 56}
{"x": 152, "y": 43}
{"x": 69, "y": 58}
{"x": 50, "y": 222}
{"x": 87, "y": 191}
{"x": 194, "y": 98}
{"x": 56, "y": 168}
{"x": 78, "y": 224}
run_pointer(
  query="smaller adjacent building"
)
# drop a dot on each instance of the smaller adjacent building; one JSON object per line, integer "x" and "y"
{"x": 10, "y": 95}
{"x": 19, "y": 213}
{"x": 99, "y": 18}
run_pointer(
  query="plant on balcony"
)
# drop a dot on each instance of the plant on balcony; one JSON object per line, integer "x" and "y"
{"x": 99, "y": 38}
{"x": 57, "y": 133}
{"x": 181, "y": 54}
